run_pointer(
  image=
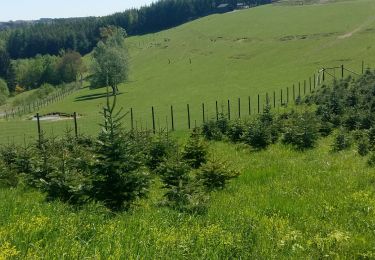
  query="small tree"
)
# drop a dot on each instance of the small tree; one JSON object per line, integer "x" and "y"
{"x": 301, "y": 130}
{"x": 195, "y": 151}
{"x": 119, "y": 174}
{"x": 183, "y": 193}
{"x": 215, "y": 175}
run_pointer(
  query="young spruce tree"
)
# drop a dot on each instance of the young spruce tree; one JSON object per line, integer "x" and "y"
{"x": 119, "y": 173}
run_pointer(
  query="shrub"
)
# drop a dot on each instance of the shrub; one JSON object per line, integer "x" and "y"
{"x": 236, "y": 130}
{"x": 342, "y": 141}
{"x": 263, "y": 131}
{"x": 211, "y": 131}
{"x": 159, "y": 149}
{"x": 258, "y": 135}
{"x": 68, "y": 178}
{"x": 363, "y": 147}
{"x": 215, "y": 175}
{"x": 182, "y": 192}
{"x": 4, "y": 91}
{"x": 371, "y": 160}
{"x": 301, "y": 130}
{"x": 195, "y": 151}
{"x": 371, "y": 136}
{"x": 8, "y": 177}
{"x": 16, "y": 162}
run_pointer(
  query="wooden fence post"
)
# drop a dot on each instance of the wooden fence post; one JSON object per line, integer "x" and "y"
{"x": 281, "y": 97}
{"x": 274, "y": 99}
{"x": 217, "y": 111}
{"x": 310, "y": 83}
{"x": 342, "y": 71}
{"x": 75, "y": 124}
{"x": 299, "y": 89}
{"x": 204, "y": 118}
{"x": 131, "y": 119}
{"x": 239, "y": 107}
{"x": 188, "y": 112}
{"x": 153, "y": 121}
{"x": 172, "y": 118}
{"x": 249, "y": 105}
{"x": 363, "y": 67}
{"x": 304, "y": 87}
{"x": 258, "y": 104}
{"x": 314, "y": 81}
{"x": 228, "y": 109}
{"x": 39, "y": 129}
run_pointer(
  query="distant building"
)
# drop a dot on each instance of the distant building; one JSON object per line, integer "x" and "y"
{"x": 241, "y": 6}
{"x": 224, "y": 8}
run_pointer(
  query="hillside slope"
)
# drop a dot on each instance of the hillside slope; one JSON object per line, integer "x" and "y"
{"x": 234, "y": 55}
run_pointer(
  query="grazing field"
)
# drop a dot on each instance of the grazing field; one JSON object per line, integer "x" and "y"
{"x": 286, "y": 204}
{"x": 233, "y": 55}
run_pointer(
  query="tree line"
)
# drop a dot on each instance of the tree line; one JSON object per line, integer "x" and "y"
{"x": 82, "y": 34}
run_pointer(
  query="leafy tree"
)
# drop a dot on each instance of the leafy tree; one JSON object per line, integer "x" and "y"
{"x": 4, "y": 92}
{"x": 110, "y": 62}
{"x": 70, "y": 66}
{"x": 4, "y": 62}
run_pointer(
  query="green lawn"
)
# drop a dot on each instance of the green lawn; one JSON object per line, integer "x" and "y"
{"x": 285, "y": 205}
{"x": 233, "y": 55}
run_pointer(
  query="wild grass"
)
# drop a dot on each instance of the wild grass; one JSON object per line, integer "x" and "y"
{"x": 286, "y": 204}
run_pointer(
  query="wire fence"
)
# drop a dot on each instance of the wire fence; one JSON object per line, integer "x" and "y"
{"x": 180, "y": 117}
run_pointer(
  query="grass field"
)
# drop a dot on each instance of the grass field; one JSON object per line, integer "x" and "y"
{"x": 285, "y": 205}
{"x": 233, "y": 55}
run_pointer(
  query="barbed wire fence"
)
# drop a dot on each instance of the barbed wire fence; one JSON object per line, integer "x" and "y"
{"x": 178, "y": 117}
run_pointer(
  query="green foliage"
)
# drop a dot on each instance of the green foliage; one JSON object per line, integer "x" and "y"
{"x": 16, "y": 164}
{"x": 342, "y": 141}
{"x": 4, "y": 92}
{"x": 236, "y": 130}
{"x": 196, "y": 150}
{"x": 371, "y": 160}
{"x": 301, "y": 130}
{"x": 120, "y": 177}
{"x": 182, "y": 193}
{"x": 211, "y": 131}
{"x": 110, "y": 61}
{"x": 160, "y": 148}
{"x": 363, "y": 147}
{"x": 215, "y": 175}
{"x": 262, "y": 131}
{"x": 65, "y": 167}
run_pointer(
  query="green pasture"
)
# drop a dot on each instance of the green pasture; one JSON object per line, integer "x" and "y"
{"x": 228, "y": 56}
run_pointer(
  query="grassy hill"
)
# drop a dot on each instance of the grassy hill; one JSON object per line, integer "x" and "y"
{"x": 286, "y": 204}
{"x": 233, "y": 55}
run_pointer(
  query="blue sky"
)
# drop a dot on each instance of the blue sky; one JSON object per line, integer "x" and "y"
{"x": 35, "y": 9}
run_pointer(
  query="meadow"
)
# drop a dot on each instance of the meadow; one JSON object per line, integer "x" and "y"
{"x": 286, "y": 204}
{"x": 220, "y": 57}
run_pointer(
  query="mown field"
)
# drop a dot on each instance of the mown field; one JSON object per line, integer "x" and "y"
{"x": 286, "y": 204}
{"x": 228, "y": 56}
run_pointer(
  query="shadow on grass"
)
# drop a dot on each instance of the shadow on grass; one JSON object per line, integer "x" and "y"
{"x": 93, "y": 96}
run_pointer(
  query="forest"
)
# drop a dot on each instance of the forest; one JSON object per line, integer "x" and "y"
{"x": 82, "y": 34}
